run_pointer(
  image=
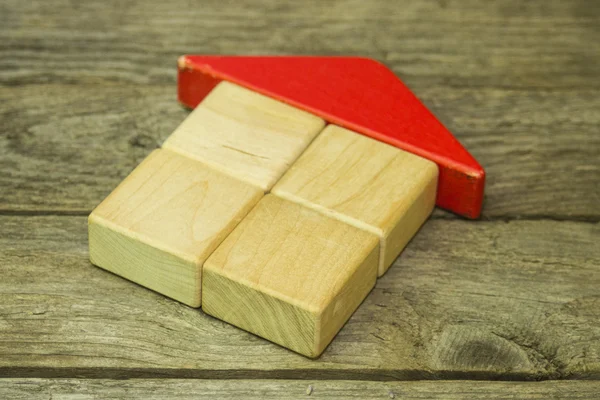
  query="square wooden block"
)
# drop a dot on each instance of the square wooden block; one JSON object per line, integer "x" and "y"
{"x": 245, "y": 134}
{"x": 291, "y": 275}
{"x": 366, "y": 183}
{"x": 163, "y": 221}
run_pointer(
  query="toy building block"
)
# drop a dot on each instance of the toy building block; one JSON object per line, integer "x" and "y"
{"x": 245, "y": 134}
{"x": 365, "y": 183}
{"x": 356, "y": 93}
{"x": 290, "y": 274}
{"x": 163, "y": 221}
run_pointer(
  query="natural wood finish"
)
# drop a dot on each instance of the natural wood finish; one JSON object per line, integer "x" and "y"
{"x": 193, "y": 389}
{"x": 163, "y": 221}
{"x": 423, "y": 40}
{"x": 87, "y": 91}
{"x": 365, "y": 183}
{"x": 245, "y": 134}
{"x": 290, "y": 275}
{"x": 525, "y": 308}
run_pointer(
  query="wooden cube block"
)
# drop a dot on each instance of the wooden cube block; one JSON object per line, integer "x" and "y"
{"x": 366, "y": 183}
{"x": 290, "y": 274}
{"x": 245, "y": 134}
{"x": 163, "y": 221}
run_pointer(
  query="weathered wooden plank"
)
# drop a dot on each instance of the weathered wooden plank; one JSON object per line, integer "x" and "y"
{"x": 84, "y": 140}
{"x": 88, "y": 90}
{"x": 87, "y": 138}
{"x": 180, "y": 389}
{"x": 551, "y": 43}
{"x": 516, "y": 300}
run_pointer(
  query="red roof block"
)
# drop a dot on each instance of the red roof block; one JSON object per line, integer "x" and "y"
{"x": 357, "y": 93}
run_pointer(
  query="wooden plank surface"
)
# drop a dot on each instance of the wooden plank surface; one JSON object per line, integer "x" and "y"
{"x": 180, "y": 389}
{"x": 87, "y": 90}
{"x": 517, "y": 83}
{"x": 525, "y": 308}
{"x": 541, "y": 44}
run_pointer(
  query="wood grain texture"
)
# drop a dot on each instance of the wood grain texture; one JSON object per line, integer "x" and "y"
{"x": 514, "y": 94}
{"x": 365, "y": 183}
{"x": 59, "y": 129}
{"x": 526, "y": 308}
{"x": 87, "y": 90}
{"x": 290, "y": 274}
{"x": 431, "y": 43}
{"x": 188, "y": 389}
{"x": 245, "y": 134}
{"x": 163, "y": 221}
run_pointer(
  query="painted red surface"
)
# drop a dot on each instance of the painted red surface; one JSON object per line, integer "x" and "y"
{"x": 357, "y": 93}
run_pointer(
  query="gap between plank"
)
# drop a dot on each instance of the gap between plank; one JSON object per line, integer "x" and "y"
{"x": 592, "y": 219}
{"x": 295, "y": 374}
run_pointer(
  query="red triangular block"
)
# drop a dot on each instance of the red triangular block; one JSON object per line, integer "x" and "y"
{"x": 357, "y": 93}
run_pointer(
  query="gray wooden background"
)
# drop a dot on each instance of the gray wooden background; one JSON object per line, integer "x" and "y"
{"x": 87, "y": 90}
